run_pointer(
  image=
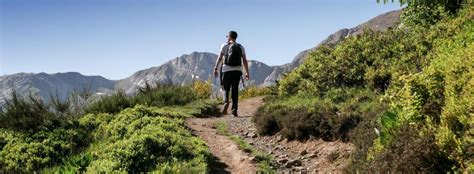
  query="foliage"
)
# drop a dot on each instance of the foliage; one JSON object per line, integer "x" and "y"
{"x": 370, "y": 60}
{"x": 425, "y": 13}
{"x": 28, "y": 114}
{"x": 411, "y": 151}
{"x": 440, "y": 96}
{"x": 331, "y": 117}
{"x": 140, "y": 140}
{"x": 416, "y": 84}
{"x": 203, "y": 89}
{"x": 161, "y": 94}
{"x": 23, "y": 152}
{"x": 62, "y": 107}
{"x": 110, "y": 104}
{"x": 115, "y": 135}
{"x": 254, "y": 91}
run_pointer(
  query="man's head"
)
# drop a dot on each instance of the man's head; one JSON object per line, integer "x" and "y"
{"x": 232, "y": 36}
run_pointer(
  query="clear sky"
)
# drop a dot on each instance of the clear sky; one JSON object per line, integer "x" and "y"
{"x": 115, "y": 38}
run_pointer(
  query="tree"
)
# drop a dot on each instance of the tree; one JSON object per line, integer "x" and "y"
{"x": 424, "y": 13}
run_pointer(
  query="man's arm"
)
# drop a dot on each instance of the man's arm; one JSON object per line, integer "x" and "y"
{"x": 219, "y": 59}
{"x": 218, "y": 62}
{"x": 246, "y": 66}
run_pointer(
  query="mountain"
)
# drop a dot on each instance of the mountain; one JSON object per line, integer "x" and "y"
{"x": 44, "y": 85}
{"x": 181, "y": 70}
{"x": 380, "y": 22}
{"x": 187, "y": 68}
{"x": 200, "y": 64}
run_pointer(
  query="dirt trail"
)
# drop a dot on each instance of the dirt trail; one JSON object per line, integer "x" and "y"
{"x": 230, "y": 159}
{"x": 311, "y": 156}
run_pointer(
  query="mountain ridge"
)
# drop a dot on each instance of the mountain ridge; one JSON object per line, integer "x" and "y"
{"x": 180, "y": 70}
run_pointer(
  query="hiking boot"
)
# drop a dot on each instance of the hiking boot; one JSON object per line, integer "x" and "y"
{"x": 224, "y": 108}
{"x": 234, "y": 113}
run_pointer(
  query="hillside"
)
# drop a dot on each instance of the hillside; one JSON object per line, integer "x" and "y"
{"x": 403, "y": 96}
{"x": 117, "y": 133}
{"x": 383, "y": 99}
{"x": 380, "y": 22}
{"x": 44, "y": 85}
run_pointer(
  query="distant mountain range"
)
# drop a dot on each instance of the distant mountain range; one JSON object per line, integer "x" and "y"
{"x": 44, "y": 85}
{"x": 181, "y": 70}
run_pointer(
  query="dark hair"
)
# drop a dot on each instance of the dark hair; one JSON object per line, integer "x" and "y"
{"x": 233, "y": 34}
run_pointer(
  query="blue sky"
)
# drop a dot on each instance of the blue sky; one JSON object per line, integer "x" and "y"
{"x": 115, "y": 38}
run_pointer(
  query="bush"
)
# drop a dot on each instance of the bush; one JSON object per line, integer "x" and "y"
{"x": 439, "y": 97}
{"x": 112, "y": 137}
{"x": 203, "y": 89}
{"x": 369, "y": 87}
{"x": 26, "y": 152}
{"x": 411, "y": 152}
{"x": 139, "y": 140}
{"x": 27, "y": 114}
{"x": 159, "y": 95}
{"x": 165, "y": 95}
{"x": 254, "y": 91}
{"x": 371, "y": 59}
{"x": 332, "y": 117}
{"x": 110, "y": 104}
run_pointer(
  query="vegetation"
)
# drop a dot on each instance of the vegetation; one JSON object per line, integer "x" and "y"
{"x": 254, "y": 91}
{"x": 404, "y": 97}
{"x": 400, "y": 95}
{"x": 140, "y": 133}
{"x": 330, "y": 117}
{"x": 158, "y": 95}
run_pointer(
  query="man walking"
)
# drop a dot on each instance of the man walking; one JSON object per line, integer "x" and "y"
{"x": 231, "y": 57}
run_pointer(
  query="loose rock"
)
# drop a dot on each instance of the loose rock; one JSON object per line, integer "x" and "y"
{"x": 282, "y": 160}
{"x": 303, "y": 152}
{"x": 313, "y": 155}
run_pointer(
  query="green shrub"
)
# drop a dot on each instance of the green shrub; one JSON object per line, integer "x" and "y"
{"x": 331, "y": 117}
{"x": 165, "y": 95}
{"x": 62, "y": 107}
{"x": 26, "y": 114}
{"x": 77, "y": 163}
{"x": 371, "y": 59}
{"x": 203, "y": 89}
{"x": 113, "y": 136}
{"x": 142, "y": 139}
{"x": 377, "y": 83}
{"x": 26, "y": 152}
{"x": 411, "y": 152}
{"x": 440, "y": 96}
{"x": 136, "y": 140}
{"x": 159, "y": 95}
{"x": 110, "y": 104}
{"x": 254, "y": 91}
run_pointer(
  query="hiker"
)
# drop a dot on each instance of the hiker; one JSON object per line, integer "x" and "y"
{"x": 230, "y": 59}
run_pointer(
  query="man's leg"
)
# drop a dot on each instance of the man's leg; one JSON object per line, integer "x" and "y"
{"x": 226, "y": 84}
{"x": 235, "y": 91}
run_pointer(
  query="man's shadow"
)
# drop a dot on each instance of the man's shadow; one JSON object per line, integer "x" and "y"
{"x": 216, "y": 166}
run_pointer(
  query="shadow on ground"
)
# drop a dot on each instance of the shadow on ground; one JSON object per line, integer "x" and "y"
{"x": 216, "y": 166}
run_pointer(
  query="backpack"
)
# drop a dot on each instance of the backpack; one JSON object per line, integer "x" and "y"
{"x": 234, "y": 55}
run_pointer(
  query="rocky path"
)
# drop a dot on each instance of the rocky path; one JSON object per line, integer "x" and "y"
{"x": 311, "y": 156}
{"x": 230, "y": 159}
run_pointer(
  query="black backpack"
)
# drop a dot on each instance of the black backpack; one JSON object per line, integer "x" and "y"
{"x": 234, "y": 55}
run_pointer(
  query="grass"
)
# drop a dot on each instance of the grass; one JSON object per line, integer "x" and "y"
{"x": 118, "y": 133}
{"x": 264, "y": 160}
